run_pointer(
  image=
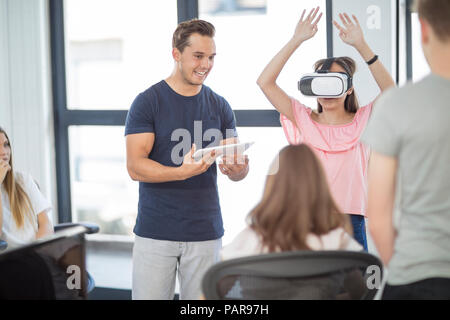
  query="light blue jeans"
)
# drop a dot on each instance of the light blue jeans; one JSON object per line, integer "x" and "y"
{"x": 157, "y": 262}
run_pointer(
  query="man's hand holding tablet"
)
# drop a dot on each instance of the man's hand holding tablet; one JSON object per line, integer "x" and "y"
{"x": 192, "y": 167}
{"x": 235, "y": 165}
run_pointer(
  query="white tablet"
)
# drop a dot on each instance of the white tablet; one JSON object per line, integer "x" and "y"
{"x": 227, "y": 149}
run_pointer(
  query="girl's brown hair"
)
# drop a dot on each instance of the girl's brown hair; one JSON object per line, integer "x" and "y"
{"x": 351, "y": 102}
{"x": 19, "y": 201}
{"x": 295, "y": 203}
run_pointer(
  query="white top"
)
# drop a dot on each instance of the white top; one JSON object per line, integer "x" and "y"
{"x": 10, "y": 232}
{"x": 248, "y": 243}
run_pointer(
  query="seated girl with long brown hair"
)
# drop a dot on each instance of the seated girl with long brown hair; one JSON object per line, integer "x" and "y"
{"x": 23, "y": 208}
{"x": 297, "y": 211}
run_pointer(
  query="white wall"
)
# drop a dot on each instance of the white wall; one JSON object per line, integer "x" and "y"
{"x": 25, "y": 89}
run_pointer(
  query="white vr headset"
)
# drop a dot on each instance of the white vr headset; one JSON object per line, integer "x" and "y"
{"x": 325, "y": 84}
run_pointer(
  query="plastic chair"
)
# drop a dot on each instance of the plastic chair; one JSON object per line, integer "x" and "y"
{"x": 297, "y": 275}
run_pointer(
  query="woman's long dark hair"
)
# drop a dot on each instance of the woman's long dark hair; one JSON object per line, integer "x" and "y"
{"x": 351, "y": 102}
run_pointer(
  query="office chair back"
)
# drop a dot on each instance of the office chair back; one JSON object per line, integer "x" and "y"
{"x": 49, "y": 268}
{"x": 302, "y": 275}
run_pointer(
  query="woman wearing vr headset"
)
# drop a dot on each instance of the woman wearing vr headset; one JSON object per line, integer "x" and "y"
{"x": 333, "y": 132}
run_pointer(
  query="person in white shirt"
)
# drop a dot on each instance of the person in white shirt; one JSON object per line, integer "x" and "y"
{"x": 297, "y": 211}
{"x": 23, "y": 208}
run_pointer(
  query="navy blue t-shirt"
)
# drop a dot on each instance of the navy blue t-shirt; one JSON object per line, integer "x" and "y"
{"x": 186, "y": 210}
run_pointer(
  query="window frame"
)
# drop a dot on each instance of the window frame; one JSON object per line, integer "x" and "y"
{"x": 409, "y": 58}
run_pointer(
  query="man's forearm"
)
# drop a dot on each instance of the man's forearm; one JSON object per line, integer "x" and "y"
{"x": 146, "y": 170}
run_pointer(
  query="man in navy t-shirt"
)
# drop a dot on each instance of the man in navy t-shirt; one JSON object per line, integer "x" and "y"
{"x": 179, "y": 225}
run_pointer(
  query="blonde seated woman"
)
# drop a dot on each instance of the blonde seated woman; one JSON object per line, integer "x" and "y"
{"x": 297, "y": 211}
{"x": 23, "y": 208}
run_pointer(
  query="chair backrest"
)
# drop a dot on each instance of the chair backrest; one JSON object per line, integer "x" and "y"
{"x": 50, "y": 268}
{"x": 302, "y": 275}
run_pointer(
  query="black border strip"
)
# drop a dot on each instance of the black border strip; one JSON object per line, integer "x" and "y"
{"x": 329, "y": 10}
{"x": 409, "y": 57}
{"x": 59, "y": 110}
{"x": 397, "y": 45}
{"x": 244, "y": 118}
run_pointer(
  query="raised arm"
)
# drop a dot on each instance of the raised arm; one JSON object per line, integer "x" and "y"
{"x": 306, "y": 29}
{"x": 351, "y": 33}
{"x": 141, "y": 168}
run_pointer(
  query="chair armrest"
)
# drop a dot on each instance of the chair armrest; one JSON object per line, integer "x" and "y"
{"x": 3, "y": 245}
{"x": 91, "y": 227}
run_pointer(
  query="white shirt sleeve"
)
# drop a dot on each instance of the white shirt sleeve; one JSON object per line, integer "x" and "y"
{"x": 37, "y": 199}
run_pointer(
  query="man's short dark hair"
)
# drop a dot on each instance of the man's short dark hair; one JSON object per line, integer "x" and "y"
{"x": 185, "y": 29}
{"x": 437, "y": 14}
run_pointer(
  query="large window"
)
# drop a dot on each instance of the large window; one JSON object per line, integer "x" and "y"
{"x": 104, "y": 52}
{"x": 248, "y": 34}
{"x": 103, "y": 58}
{"x": 115, "y": 49}
{"x": 112, "y": 55}
{"x": 102, "y": 191}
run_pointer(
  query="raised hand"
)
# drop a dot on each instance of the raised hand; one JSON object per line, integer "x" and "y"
{"x": 351, "y": 32}
{"x": 307, "y": 28}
